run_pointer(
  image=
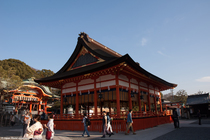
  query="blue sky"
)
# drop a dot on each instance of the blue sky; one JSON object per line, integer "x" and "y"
{"x": 170, "y": 39}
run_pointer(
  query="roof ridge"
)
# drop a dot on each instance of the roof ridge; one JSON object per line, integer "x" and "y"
{"x": 90, "y": 40}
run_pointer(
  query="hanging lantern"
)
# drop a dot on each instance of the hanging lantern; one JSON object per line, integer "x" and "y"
{"x": 100, "y": 96}
{"x": 142, "y": 97}
{"x": 132, "y": 94}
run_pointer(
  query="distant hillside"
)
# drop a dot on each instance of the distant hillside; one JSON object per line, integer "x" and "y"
{"x": 19, "y": 68}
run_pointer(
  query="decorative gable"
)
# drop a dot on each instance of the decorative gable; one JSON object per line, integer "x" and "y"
{"x": 84, "y": 58}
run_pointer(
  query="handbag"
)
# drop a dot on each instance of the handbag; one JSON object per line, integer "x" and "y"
{"x": 48, "y": 134}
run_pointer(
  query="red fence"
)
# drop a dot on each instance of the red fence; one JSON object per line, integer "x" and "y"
{"x": 118, "y": 125}
{"x": 123, "y": 114}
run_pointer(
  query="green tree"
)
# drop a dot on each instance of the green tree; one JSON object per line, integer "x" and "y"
{"x": 181, "y": 96}
{"x": 44, "y": 73}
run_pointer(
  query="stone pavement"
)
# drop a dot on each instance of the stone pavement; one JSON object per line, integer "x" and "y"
{"x": 189, "y": 129}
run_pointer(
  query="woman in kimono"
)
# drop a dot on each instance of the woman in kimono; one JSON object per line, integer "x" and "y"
{"x": 35, "y": 131}
{"x": 50, "y": 126}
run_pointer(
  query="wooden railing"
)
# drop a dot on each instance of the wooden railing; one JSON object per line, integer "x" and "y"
{"x": 123, "y": 114}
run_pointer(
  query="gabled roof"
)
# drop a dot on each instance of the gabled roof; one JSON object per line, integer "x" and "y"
{"x": 99, "y": 57}
{"x": 198, "y": 99}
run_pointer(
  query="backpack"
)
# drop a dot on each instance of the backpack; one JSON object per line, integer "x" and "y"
{"x": 108, "y": 119}
{"x": 87, "y": 122}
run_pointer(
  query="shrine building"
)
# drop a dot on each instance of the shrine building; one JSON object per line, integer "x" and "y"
{"x": 31, "y": 96}
{"x": 96, "y": 78}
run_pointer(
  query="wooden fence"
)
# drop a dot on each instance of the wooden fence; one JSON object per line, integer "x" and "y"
{"x": 118, "y": 124}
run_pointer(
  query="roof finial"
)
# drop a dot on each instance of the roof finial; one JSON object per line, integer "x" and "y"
{"x": 84, "y": 35}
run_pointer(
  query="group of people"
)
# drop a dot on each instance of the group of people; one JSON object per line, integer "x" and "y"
{"x": 33, "y": 129}
{"x": 106, "y": 124}
{"x": 7, "y": 119}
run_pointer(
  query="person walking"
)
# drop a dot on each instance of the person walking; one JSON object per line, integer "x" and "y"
{"x": 12, "y": 120}
{"x": 7, "y": 119}
{"x": 86, "y": 125}
{"x": 109, "y": 123}
{"x": 10, "y": 116}
{"x": 129, "y": 123}
{"x": 50, "y": 128}
{"x": 199, "y": 117}
{"x": 175, "y": 118}
{"x": 36, "y": 130}
{"x": 2, "y": 118}
{"x": 32, "y": 120}
{"x": 26, "y": 121}
{"x": 105, "y": 126}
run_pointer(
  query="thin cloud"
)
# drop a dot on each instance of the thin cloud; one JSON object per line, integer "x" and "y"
{"x": 204, "y": 79}
{"x": 144, "y": 41}
{"x": 160, "y": 53}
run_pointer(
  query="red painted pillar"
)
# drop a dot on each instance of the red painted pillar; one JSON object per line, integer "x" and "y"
{"x": 45, "y": 107}
{"x": 145, "y": 107}
{"x": 161, "y": 107}
{"x": 117, "y": 94}
{"x": 155, "y": 104}
{"x": 61, "y": 106}
{"x": 95, "y": 99}
{"x": 30, "y": 107}
{"x": 77, "y": 101}
{"x": 129, "y": 95}
{"x": 88, "y": 110}
{"x": 139, "y": 99}
{"x": 149, "y": 104}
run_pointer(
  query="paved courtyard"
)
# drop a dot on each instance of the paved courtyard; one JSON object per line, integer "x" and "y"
{"x": 189, "y": 129}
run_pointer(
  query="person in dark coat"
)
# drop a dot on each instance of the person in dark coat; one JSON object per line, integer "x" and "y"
{"x": 199, "y": 117}
{"x": 105, "y": 126}
{"x": 175, "y": 118}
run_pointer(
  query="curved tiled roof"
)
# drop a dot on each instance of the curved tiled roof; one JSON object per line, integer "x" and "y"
{"x": 110, "y": 57}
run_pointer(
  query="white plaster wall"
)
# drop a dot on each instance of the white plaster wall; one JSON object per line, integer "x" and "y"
{"x": 68, "y": 90}
{"x": 104, "y": 84}
{"x": 134, "y": 86}
{"x": 143, "y": 84}
{"x": 123, "y": 77}
{"x": 105, "y": 77}
{"x": 71, "y": 84}
{"x": 86, "y": 81}
{"x": 90, "y": 86}
{"x": 151, "y": 91}
{"x": 122, "y": 83}
{"x": 134, "y": 81}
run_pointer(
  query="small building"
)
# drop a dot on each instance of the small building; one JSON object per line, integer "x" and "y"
{"x": 97, "y": 78}
{"x": 199, "y": 102}
{"x": 169, "y": 106}
{"x": 30, "y": 95}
